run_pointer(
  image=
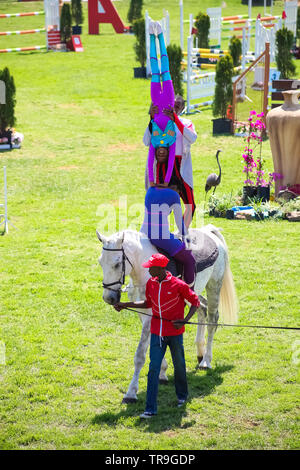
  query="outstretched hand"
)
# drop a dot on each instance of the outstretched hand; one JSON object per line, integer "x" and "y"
{"x": 178, "y": 324}
{"x": 169, "y": 112}
{"x": 119, "y": 306}
{"x": 153, "y": 110}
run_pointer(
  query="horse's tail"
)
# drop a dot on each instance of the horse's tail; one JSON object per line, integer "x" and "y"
{"x": 228, "y": 298}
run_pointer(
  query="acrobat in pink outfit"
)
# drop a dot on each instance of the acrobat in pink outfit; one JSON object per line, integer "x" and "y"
{"x": 162, "y": 96}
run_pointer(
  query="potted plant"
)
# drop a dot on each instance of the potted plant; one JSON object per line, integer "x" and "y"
{"x": 140, "y": 47}
{"x": 223, "y": 96}
{"x": 7, "y": 110}
{"x": 256, "y": 186}
{"x": 77, "y": 16}
{"x": 202, "y": 25}
{"x": 135, "y": 10}
{"x": 65, "y": 23}
{"x": 175, "y": 58}
{"x": 284, "y": 57}
{"x": 235, "y": 49}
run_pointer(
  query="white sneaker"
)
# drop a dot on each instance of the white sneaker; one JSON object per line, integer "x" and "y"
{"x": 147, "y": 414}
{"x": 152, "y": 27}
{"x": 158, "y": 28}
{"x": 181, "y": 403}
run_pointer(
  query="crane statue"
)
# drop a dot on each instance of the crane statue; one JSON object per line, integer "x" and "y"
{"x": 213, "y": 180}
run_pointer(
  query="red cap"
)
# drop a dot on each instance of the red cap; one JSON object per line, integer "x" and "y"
{"x": 156, "y": 260}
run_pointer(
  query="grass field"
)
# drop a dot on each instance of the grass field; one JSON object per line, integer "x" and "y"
{"x": 68, "y": 355}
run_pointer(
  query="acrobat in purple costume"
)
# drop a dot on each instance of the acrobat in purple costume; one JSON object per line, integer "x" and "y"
{"x": 162, "y": 96}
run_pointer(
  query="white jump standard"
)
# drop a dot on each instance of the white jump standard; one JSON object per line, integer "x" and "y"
{"x": 51, "y": 29}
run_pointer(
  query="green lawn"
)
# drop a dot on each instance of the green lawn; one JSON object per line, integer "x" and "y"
{"x": 69, "y": 356}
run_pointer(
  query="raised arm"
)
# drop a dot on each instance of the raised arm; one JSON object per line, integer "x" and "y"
{"x": 176, "y": 208}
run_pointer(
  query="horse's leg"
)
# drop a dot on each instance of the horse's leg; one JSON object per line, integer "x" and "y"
{"x": 139, "y": 361}
{"x": 200, "y": 283}
{"x": 213, "y": 289}
{"x": 200, "y": 336}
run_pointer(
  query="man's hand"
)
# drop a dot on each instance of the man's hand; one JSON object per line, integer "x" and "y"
{"x": 178, "y": 324}
{"x": 153, "y": 110}
{"x": 119, "y": 306}
{"x": 169, "y": 112}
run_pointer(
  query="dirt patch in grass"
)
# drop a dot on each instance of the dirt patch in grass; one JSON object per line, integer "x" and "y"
{"x": 68, "y": 168}
{"x": 124, "y": 147}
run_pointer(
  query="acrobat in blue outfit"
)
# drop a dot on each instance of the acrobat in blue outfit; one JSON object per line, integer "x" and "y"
{"x": 159, "y": 204}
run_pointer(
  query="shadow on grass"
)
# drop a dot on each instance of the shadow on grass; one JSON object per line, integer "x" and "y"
{"x": 169, "y": 416}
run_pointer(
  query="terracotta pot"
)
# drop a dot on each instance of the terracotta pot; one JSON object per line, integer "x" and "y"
{"x": 283, "y": 125}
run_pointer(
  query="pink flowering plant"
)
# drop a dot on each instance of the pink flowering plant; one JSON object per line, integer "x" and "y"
{"x": 254, "y": 166}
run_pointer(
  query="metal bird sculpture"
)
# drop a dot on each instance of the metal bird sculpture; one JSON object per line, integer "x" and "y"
{"x": 214, "y": 180}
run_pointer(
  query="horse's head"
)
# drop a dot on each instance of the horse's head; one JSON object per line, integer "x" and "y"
{"x": 113, "y": 262}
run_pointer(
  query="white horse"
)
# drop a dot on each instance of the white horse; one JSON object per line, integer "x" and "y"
{"x": 123, "y": 254}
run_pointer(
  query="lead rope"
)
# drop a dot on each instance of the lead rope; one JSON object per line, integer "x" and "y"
{"x": 217, "y": 324}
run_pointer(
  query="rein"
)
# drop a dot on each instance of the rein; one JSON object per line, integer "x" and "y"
{"x": 125, "y": 258}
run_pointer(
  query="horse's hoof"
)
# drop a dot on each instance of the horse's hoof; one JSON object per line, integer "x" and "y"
{"x": 204, "y": 366}
{"x": 163, "y": 382}
{"x": 127, "y": 400}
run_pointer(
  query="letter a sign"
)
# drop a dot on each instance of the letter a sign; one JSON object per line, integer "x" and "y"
{"x": 103, "y": 11}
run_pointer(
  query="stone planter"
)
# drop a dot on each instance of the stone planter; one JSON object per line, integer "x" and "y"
{"x": 139, "y": 72}
{"x": 222, "y": 126}
{"x": 77, "y": 30}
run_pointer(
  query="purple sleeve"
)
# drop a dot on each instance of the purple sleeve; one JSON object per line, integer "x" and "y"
{"x": 150, "y": 163}
{"x": 170, "y": 162}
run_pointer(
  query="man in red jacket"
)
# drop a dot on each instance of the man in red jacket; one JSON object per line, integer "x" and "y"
{"x": 166, "y": 295}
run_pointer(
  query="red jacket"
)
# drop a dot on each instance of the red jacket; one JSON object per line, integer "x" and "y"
{"x": 166, "y": 298}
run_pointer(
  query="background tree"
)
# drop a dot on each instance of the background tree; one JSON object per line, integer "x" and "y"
{"x": 135, "y": 10}
{"x": 7, "y": 111}
{"x": 65, "y": 23}
{"x": 235, "y": 49}
{"x": 202, "y": 24}
{"x": 140, "y": 44}
{"x": 77, "y": 13}
{"x": 223, "y": 89}
{"x": 175, "y": 58}
{"x": 284, "y": 57}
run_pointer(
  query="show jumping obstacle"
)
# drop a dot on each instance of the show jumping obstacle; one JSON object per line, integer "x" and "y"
{"x": 199, "y": 86}
{"x": 51, "y": 29}
{"x": 246, "y": 25}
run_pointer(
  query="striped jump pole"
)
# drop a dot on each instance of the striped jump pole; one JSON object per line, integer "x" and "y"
{"x": 241, "y": 21}
{"x": 12, "y": 15}
{"x": 236, "y": 17}
{"x": 23, "y": 49}
{"x": 27, "y": 31}
{"x": 207, "y": 51}
{"x": 205, "y": 55}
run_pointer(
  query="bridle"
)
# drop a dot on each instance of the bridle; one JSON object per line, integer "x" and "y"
{"x": 122, "y": 278}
